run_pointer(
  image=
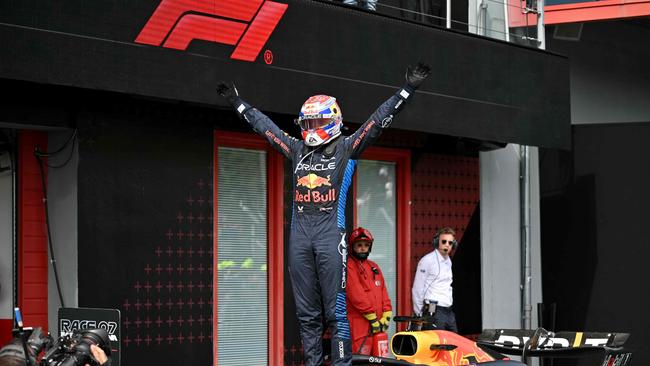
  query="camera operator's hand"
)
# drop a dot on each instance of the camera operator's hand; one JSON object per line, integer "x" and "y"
{"x": 99, "y": 355}
{"x": 416, "y": 74}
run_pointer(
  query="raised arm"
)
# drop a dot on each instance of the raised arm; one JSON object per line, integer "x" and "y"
{"x": 370, "y": 131}
{"x": 262, "y": 124}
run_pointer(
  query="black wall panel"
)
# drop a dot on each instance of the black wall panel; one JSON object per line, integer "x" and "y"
{"x": 480, "y": 88}
{"x": 595, "y": 246}
{"x": 145, "y": 230}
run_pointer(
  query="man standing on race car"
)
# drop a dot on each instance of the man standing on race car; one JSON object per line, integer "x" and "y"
{"x": 323, "y": 165}
{"x": 369, "y": 309}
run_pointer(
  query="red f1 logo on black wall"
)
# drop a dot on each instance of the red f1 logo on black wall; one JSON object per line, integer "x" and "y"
{"x": 248, "y": 24}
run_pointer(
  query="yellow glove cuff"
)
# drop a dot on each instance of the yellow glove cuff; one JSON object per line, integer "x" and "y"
{"x": 387, "y": 314}
{"x": 370, "y": 316}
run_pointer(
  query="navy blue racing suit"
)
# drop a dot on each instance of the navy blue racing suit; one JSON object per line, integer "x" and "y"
{"x": 322, "y": 176}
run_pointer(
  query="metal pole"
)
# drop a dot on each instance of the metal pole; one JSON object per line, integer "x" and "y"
{"x": 526, "y": 293}
{"x": 526, "y": 256}
{"x": 541, "y": 32}
{"x": 506, "y": 20}
{"x": 14, "y": 215}
{"x": 448, "y": 14}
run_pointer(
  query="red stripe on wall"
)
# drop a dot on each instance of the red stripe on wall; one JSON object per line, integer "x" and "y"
{"x": 276, "y": 258}
{"x": 596, "y": 10}
{"x": 580, "y": 12}
{"x": 32, "y": 239}
{"x": 5, "y": 331}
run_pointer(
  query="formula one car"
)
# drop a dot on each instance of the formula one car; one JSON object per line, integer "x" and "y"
{"x": 443, "y": 348}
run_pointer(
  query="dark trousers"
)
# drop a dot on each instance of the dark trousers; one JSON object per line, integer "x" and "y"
{"x": 317, "y": 266}
{"x": 445, "y": 319}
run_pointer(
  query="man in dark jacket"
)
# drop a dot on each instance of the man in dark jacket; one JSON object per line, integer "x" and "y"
{"x": 323, "y": 163}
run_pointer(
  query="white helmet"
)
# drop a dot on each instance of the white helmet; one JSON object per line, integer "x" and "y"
{"x": 320, "y": 120}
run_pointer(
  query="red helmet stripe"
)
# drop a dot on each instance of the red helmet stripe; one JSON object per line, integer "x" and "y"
{"x": 322, "y": 133}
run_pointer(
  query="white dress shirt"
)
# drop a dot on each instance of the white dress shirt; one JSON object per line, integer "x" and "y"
{"x": 433, "y": 279}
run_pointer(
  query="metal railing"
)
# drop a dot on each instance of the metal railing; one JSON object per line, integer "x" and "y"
{"x": 489, "y": 18}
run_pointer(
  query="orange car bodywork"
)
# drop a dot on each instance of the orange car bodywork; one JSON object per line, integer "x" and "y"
{"x": 420, "y": 349}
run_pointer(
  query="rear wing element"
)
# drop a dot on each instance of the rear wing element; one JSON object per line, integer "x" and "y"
{"x": 542, "y": 343}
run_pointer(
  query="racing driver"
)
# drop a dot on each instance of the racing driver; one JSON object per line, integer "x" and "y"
{"x": 323, "y": 163}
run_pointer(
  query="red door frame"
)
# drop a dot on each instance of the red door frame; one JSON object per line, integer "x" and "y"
{"x": 32, "y": 234}
{"x": 402, "y": 158}
{"x": 275, "y": 235}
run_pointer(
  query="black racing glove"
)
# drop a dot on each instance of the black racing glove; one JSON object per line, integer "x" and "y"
{"x": 228, "y": 91}
{"x": 416, "y": 74}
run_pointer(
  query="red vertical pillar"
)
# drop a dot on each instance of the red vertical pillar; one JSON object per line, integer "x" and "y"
{"x": 32, "y": 233}
{"x": 5, "y": 331}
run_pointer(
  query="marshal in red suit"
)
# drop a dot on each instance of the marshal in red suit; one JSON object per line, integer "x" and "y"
{"x": 369, "y": 309}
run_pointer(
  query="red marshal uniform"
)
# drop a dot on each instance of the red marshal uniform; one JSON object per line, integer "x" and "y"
{"x": 366, "y": 293}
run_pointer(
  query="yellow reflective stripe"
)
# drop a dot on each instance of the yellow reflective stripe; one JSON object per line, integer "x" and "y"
{"x": 371, "y": 317}
{"x": 578, "y": 340}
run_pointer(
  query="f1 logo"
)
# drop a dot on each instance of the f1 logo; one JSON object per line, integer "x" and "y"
{"x": 248, "y": 24}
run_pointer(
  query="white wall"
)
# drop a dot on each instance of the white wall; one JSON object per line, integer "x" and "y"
{"x": 6, "y": 242}
{"x": 62, "y": 198}
{"x": 500, "y": 237}
{"x": 487, "y": 18}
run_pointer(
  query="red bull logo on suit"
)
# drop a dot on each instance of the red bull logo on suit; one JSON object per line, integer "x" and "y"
{"x": 312, "y": 181}
{"x": 316, "y": 197}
